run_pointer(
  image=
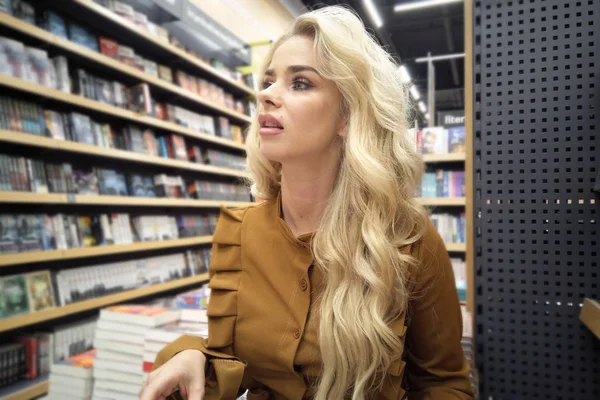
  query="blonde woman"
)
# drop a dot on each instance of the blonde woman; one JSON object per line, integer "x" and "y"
{"x": 337, "y": 286}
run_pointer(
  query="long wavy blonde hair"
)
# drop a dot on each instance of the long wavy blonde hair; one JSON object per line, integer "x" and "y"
{"x": 371, "y": 213}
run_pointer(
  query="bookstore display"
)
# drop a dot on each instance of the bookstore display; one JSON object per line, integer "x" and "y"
{"x": 36, "y": 232}
{"x": 93, "y": 94}
{"x": 36, "y": 176}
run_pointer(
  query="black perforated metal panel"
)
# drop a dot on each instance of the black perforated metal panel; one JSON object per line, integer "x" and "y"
{"x": 537, "y": 154}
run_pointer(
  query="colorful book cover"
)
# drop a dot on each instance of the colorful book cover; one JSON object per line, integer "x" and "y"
{"x": 13, "y": 296}
{"x": 456, "y": 139}
{"x": 86, "y": 180}
{"x": 30, "y": 230}
{"x": 86, "y": 235}
{"x": 39, "y": 290}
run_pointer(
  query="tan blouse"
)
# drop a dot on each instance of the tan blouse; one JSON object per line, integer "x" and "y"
{"x": 263, "y": 330}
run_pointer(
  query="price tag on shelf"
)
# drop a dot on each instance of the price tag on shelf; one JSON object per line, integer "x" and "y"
{"x": 70, "y": 198}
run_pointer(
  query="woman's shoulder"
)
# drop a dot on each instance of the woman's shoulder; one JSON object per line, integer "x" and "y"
{"x": 231, "y": 220}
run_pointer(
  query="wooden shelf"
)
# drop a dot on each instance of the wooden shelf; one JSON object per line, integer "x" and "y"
{"x": 82, "y": 148}
{"x": 53, "y": 255}
{"x": 439, "y": 158}
{"x": 203, "y": 68}
{"x": 442, "y": 201}
{"x": 26, "y": 390}
{"x": 456, "y": 247}
{"x": 63, "y": 198}
{"x": 590, "y": 316}
{"x": 80, "y": 101}
{"x": 105, "y": 61}
{"x": 58, "y": 312}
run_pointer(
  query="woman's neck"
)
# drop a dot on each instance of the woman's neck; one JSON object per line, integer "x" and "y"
{"x": 304, "y": 195}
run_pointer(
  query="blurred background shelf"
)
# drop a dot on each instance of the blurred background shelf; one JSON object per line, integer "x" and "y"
{"x": 74, "y": 308}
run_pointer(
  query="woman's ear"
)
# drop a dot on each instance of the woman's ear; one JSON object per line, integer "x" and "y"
{"x": 343, "y": 131}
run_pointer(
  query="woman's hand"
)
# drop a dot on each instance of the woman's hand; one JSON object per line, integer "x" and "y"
{"x": 185, "y": 371}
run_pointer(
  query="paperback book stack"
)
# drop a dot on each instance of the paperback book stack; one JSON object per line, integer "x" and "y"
{"x": 192, "y": 321}
{"x": 119, "y": 341}
{"x": 72, "y": 378}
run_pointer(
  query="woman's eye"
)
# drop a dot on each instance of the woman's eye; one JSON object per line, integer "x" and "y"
{"x": 301, "y": 84}
{"x": 265, "y": 85}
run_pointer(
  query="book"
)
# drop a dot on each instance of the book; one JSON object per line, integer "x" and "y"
{"x": 54, "y": 127}
{"x": 14, "y": 363}
{"x": 53, "y": 23}
{"x": 165, "y": 73}
{"x": 30, "y": 231}
{"x": 139, "y": 99}
{"x": 108, "y": 47}
{"x": 24, "y": 11}
{"x": 86, "y": 235}
{"x": 103, "y": 91}
{"x": 39, "y": 290}
{"x": 145, "y": 315}
{"x": 61, "y": 68}
{"x": 456, "y": 139}
{"x": 13, "y": 296}
{"x": 12, "y": 58}
{"x": 38, "y": 66}
{"x": 78, "y": 366}
{"x": 30, "y": 343}
{"x": 179, "y": 150}
{"x": 86, "y": 181}
{"x": 435, "y": 140}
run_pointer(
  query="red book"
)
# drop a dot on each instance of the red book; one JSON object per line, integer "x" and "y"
{"x": 179, "y": 150}
{"x": 31, "y": 347}
{"x": 108, "y": 47}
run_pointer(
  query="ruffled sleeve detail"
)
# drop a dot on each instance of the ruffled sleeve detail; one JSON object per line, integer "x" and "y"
{"x": 225, "y": 274}
{"x": 224, "y": 372}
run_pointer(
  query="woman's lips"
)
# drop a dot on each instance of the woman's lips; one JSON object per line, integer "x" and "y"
{"x": 270, "y": 131}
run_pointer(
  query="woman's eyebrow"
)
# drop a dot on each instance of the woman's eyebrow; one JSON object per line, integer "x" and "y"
{"x": 293, "y": 69}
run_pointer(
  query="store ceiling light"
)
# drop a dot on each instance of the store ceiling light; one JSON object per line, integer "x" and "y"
{"x": 422, "y": 4}
{"x": 414, "y": 92}
{"x": 404, "y": 75}
{"x": 422, "y": 107}
{"x": 373, "y": 13}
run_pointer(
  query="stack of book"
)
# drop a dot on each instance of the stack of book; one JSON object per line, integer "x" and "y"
{"x": 192, "y": 321}
{"x": 72, "y": 378}
{"x": 119, "y": 340}
{"x": 469, "y": 347}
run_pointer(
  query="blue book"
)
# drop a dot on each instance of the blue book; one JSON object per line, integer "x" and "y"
{"x": 163, "y": 147}
{"x": 446, "y": 184}
{"x": 456, "y": 139}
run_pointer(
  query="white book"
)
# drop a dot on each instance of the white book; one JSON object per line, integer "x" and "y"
{"x": 119, "y": 366}
{"x": 154, "y": 347}
{"x": 120, "y": 337}
{"x": 129, "y": 388}
{"x": 112, "y": 395}
{"x": 105, "y": 354}
{"x": 114, "y": 326}
{"x": 69, "y": 385}
{"x": 110, "y": 375}
{"x": 145, "y": 315}
{"x": 118, "y": 346}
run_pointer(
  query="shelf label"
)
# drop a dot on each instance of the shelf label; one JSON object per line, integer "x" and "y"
{"x": 70, "y": 197}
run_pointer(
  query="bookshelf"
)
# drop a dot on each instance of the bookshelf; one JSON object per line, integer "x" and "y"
{"x": 93, "y": 105}
{"x": 26, "y": 389}
{"x": 442, "y": 158}
{"x": 75, "y": 50}
{"x": 54, "y": 255}
{"x": 89, "y": 11}
{"x": 456, "y": 247}
{"x": 442, "y": 201}
{"x": 92, "y": 304}
{"x": 64, "y": 198}
{"x": 87, "y": 149}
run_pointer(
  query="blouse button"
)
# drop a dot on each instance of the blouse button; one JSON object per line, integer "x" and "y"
{"x": 303, "y": 284}
{"x": 297, "y": 334}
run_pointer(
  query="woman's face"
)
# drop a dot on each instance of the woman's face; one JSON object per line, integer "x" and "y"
{"x": 299, "y": 111}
